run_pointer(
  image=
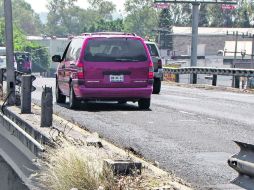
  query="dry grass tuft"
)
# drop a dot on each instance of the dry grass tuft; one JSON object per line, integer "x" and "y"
{"x": 69, "y": 166}
{"x": 74, "y": 165}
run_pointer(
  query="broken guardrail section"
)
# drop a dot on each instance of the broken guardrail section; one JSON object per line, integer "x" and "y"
{"x": 243, "y": 163}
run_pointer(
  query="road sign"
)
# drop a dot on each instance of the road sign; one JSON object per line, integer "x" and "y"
{"x": 161, "y": 5}
{"x": 228, "y": 7}
{"x": 233, "y": 2}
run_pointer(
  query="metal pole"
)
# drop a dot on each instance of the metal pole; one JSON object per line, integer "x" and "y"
{"x": 194, "y": 42}
{"x": 252, "y": 54}
{"x": 235, "y": 56}
{"x": 1, "y": 84}
{"x": 9, "y": 52}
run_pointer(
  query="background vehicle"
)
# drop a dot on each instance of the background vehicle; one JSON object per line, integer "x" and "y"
{"x": 157, "y": 64}
{"x": 23, "y": 61}
{"x": 105, "y": 66}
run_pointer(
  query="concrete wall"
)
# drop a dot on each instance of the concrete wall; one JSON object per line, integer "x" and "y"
{"x": 8, "y": 178}
{"x": 213, "y": 43}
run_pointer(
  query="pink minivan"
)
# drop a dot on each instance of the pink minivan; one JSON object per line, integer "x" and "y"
{"x": 107, "y": 67}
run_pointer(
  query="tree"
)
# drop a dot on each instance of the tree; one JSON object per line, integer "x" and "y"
{"x": 58, "y": 17}
{"x": 141, "y": 18}
{"x": 165, "y": 29}
{"x": 24, "y": 17}
{"x": 40, "y": 57}
{"x": 203, "y": 15}
{"x": 104, "y": 26}
{"x": 104, "y": 8}
{"x": 244, "y": 14}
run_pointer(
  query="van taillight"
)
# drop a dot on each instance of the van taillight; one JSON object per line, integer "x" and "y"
{"x": 80, "y": 72}
{"x": 159, "y": 64}
{"x": 151, "y": 71}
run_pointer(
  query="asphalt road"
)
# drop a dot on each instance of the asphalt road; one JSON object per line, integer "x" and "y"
{"x": 190, "y": 132}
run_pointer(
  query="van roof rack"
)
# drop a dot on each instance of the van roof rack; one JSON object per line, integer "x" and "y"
{"x": 113, "y": 33}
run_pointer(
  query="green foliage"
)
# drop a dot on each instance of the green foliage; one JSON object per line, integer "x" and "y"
{"x": 24, "y": 17}
{"x": 65, "y": 18}
{"x": 103, "y": 26}
{"x": 141, "y": 18}
{"x": 165, "y": 29}
{"x": 203, "y": 16}
{"x": 40, "y": 55}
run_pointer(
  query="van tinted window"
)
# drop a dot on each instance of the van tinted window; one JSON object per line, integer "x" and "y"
{"x": 115, "y": 50}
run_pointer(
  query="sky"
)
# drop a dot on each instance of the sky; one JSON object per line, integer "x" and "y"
{"x": 40, "y": 5}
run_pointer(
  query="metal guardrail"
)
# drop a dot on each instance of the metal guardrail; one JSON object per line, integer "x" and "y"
{"x": 243, "y": 163}
{"x": 211, "y": 71}
{"x": 20, "y": 130}
{"x": 194, "y": 71}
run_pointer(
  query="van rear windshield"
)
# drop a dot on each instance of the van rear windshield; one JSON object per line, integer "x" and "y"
{"x": 115, "y": 50}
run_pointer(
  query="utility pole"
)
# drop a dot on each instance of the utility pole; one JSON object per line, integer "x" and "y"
{"x": 235, "y": 56}
{"x": 252, "y": 53}
{"x": 194, "y": 44}
{"x": 195, "y": 19}
{"x": 9, "y": 52}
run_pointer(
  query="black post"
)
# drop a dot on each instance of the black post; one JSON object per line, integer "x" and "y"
{"x": 47, "y": 107}
{"x": 237, "y": 82}
{"x": 214, "y": 83}
{"x": 194, "y": 78}
{"x": 26, "y": 93}
{"x": 177, "y": 78}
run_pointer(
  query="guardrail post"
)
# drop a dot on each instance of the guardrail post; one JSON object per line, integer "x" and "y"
{"x": 193, "y": 78}
{"x": 1, "y": 84}
{"x": 47, "y": 107}
{"x": 26, "y": 84}
{"x": 177, "y": 78}
{"x": 214, "y": 82}
{"x": 237, "y": 82}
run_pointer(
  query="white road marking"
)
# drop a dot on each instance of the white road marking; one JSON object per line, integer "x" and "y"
{"x": 188, "y": 113}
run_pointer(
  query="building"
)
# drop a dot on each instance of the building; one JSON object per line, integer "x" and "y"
{"x": 210, "y": 42}
{"x": 56, "y": 46}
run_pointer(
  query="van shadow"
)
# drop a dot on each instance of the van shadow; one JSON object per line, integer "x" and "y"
{"x": 104, "y": 107}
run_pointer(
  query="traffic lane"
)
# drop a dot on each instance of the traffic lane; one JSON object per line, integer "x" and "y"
{"x": 194, "y": 147}
{"x": 225, "y": 105}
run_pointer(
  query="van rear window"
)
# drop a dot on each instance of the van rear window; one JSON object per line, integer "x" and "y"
{"x": 115, "y": 50}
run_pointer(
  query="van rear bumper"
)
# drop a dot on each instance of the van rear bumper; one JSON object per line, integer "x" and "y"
{"x": 84, "y": 93}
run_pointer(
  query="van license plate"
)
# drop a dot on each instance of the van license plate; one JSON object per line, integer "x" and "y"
{"x": 116, "y": 78}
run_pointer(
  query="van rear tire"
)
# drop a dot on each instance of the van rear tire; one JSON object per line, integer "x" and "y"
{"x": 144, "y": 104}
{"x": 73, "y": 101}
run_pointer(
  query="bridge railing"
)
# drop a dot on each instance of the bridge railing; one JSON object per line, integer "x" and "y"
{"x": 194, "y": 71}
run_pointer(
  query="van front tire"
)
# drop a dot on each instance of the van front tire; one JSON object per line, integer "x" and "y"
{"x": 144, "y": 104}
{"x": 60, "y": 98}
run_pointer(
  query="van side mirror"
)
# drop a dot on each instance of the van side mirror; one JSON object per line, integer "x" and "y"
{"x": 56, "y": 58}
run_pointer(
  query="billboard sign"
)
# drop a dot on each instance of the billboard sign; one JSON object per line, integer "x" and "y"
{"x": 228, "y": 2}
{"x": 162, "y": 5}
{"x": 228, "y": 7}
